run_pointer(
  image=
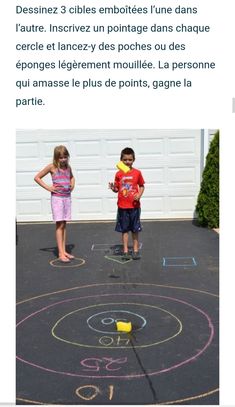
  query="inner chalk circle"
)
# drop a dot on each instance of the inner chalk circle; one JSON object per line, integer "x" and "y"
{"x": 116, "y": 315}
{"x": 107, "y": 321}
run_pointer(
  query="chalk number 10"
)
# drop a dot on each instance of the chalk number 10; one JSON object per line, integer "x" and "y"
{"x": 89, "y": 392}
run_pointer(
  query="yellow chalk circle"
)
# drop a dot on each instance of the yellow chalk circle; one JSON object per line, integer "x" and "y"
{"x": 124, "y": 326}
{"x": 123, "y": 167}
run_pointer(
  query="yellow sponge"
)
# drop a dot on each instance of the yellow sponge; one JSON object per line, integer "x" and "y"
{"x": 123, "y": 167}
{"x": 124, "y": 326}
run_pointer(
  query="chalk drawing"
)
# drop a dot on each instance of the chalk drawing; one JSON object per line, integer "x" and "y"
{"x": 76, "y": 262}
{"x": 109, "y": 246}
{"x": 81, "y": 287}
{"x": 120, "y": 340}
{"x": 196, "y": 397}
{"x": 169, "y": 368}
{"x": 179, "y": 262}
{"x": 96, "y": 390}
{"x": 111, "y": 392}
{"x": 88, "y": 397}
{"x": 118, "y": 317}
{"x": 136, "y": 375}
{"x": 107, "y": 321}
{"x": 104, "y": 363}
{"x": 157, "y": 342}
{"x": 111, "y": 389}
{"x": 108, "y": 340}
{"x": 118, "y": 259}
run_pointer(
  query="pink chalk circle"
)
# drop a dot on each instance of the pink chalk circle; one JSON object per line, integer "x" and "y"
{"x": 170, "y": 368}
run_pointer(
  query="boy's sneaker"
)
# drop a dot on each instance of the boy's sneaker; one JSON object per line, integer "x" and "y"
{"x": 125, "y": 256}
{"x": 136, "y": 256}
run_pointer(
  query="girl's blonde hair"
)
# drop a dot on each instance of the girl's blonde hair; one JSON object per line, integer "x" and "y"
{"x": 58, "y": 151}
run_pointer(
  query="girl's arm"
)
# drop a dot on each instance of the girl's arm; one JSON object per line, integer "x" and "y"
{"x": 38, "y": 178}
{"x": 72, "y": 181}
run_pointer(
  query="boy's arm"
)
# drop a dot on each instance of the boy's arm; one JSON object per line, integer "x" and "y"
{"x": 113, "y": 187}
{"x": 38, "y": 178}
{"x": 140, "y": 193}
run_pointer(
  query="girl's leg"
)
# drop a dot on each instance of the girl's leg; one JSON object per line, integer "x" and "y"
{"x": 125, "y": 242}
{"x": 60, "y": 227}
{"x": 135, "y": 237}
{"x": 68, "y": 255}
{"x": 64, "y": 237}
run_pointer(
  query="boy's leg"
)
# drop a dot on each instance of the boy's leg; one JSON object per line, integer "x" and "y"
{"x": 122, "y": 224}
{"x": 125, "y": 255}
{"x": 135, "y": 254}
{"x": 135, "y": 237}
{"x": 136, "y": 226}
{"x": 125, "y": 242}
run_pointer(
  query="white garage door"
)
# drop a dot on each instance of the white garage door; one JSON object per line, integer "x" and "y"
{"x": 170, "y": 160}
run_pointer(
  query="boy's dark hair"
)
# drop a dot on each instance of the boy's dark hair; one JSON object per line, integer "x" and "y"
{"x": 128, "y": 151}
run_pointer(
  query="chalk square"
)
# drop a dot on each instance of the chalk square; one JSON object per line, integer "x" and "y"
{"x": 179, "y": 261}
{"x": 118, "y": 259}
{"x": 100, "y": 246}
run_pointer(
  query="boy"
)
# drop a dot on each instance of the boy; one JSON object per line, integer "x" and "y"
{"x": 130, "y": 188}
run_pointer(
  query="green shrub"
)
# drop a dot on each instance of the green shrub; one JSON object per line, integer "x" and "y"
{"x": 207, "y": 207}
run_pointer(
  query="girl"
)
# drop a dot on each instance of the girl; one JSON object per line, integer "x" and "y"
{"x": 63, "y": 183}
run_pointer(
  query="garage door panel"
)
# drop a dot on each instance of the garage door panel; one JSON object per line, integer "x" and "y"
{"x": 29, "y": 193}
{"x": 112, "y": 206}
{"x": 88, "y": 177}
{"x": 181, "y": 204}
{"x": 153, "y": 203}
{"x": 47, "y": 148}
{"x": 25, "y": 178}
{"x": 182, "y": 146}
{"x": 165, "y": 162}
{"x": 110, "y": 174}
{"x": 181, "y": 176}
{"x": 88, "y": 148}
{"x": 154, "y": 176}
{"x": 27, "y": 150}
{"x": 114, "y": 147}
{"x": 31, "y": 207}
{"x": 91, "y": 206}
{"x": 33, "y": 165}
{"x": 151, "y": 147}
